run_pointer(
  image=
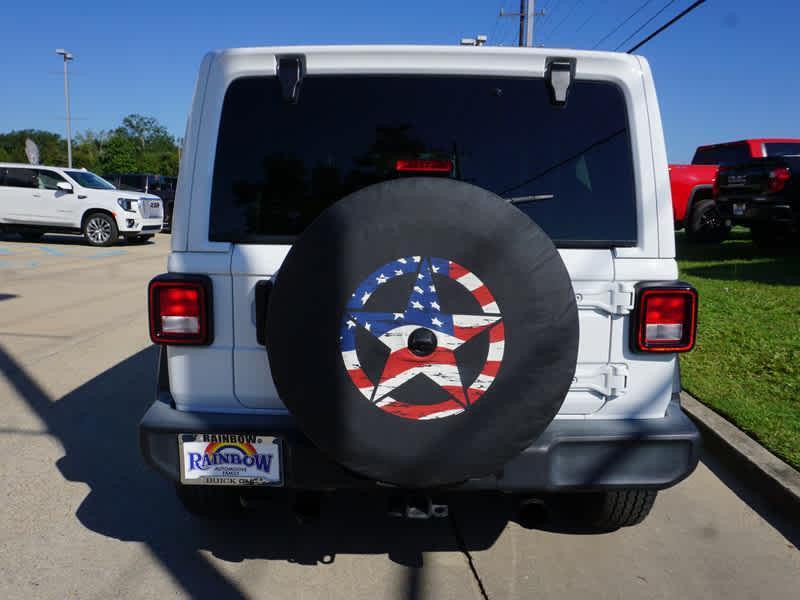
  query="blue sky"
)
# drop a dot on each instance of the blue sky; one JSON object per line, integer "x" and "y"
{"x": 727, "y": 71}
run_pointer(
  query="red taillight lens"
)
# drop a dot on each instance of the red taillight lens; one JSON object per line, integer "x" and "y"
{"x": 777, "y": 179}
{"x": 179, "y": 310}
{"x": 666, "y": 319}
{"x": 715, "y": 183}
{"x": 423, "y": 165}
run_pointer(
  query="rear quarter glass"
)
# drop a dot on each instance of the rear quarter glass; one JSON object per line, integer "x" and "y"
{"x": 278, "y": 165}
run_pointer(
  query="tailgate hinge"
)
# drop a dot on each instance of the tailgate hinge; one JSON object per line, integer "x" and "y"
{"x": 616, "y": 299}
{"x": 607, "y": 380}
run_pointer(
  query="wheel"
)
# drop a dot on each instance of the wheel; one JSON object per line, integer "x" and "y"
{"x": 31, "y": 236}
{"x": 100, "y": 229}
{"x": 706, "y": 224}
{"x": 209, "y": 502}
{"x": 608, "y": 511}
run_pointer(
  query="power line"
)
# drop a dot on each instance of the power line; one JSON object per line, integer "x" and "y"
{"x": 645, "y": 24}
{"x": 666, "y": 25}
{"x": 564, "y": 20}
{"x": 591, "y": 16}
{"x": 618, "y": 27}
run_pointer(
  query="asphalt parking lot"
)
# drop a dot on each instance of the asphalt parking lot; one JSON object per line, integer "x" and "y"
{"x": 82, "y": 517}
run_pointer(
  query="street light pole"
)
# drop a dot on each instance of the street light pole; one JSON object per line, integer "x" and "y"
{"x": 67, "y": 57}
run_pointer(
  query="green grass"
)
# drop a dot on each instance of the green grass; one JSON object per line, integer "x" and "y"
{"x": 746, "y": 364}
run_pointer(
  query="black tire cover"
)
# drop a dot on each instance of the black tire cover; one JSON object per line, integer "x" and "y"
{"x": 434, "y": 255}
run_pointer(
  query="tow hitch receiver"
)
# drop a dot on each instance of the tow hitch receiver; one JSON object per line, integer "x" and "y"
{"x": 417, "y": 507}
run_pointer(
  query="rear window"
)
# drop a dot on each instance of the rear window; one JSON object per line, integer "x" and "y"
{"x": 782, "y": 148}
{"x": 728, "y": 154}
{"x": 278, "y": 165}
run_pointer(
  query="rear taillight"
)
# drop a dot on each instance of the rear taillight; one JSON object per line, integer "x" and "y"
{"x": 180, "y": 309}
{"x": 715, "y": 183}
{"x": 777, "y": 179}
{"x": 665, "y": 318}
{"x": 423, "y": 165}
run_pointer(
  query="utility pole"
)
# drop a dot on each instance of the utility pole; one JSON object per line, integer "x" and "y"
{"x": 527, "y": 15}
{"x": 67, "y": 57}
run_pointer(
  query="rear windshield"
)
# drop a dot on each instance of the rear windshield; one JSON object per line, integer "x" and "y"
{"x": 278, "y": 165}
{"x": 782, "y": 148}
{"x": 727, "y": 154}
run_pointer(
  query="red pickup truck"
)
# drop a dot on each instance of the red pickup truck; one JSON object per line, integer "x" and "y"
{"x": 692, "y": 185}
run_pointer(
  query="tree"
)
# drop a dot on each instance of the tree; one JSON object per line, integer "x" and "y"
{"x": 52, "y": 147}
{"x": 139, "y": 145}
{"x": 119, "y": 155}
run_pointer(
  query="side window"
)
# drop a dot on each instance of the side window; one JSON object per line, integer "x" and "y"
{"x": 21, "y": 178}
{"x": 49, "y": 180}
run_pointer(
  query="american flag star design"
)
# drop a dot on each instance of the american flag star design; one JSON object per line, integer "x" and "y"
{"x": 422, "y": 310}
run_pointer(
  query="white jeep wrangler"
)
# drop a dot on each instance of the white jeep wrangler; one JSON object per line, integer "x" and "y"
{"x": 423, "y": 269}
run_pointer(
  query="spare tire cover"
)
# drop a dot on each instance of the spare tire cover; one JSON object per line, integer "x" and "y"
{"x": 423, "y": 331}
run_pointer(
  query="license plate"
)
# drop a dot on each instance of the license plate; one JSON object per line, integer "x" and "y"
{"x": 739, "y": 208}
{"x": 229, "y": 459}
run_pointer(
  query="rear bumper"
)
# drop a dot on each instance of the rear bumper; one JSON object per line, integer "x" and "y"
{"x": 775, "y": 211}
{"x": 569, "y": 455}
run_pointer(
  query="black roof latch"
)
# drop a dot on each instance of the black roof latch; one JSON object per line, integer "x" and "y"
{"x": 291, "y": 70}
{"x": 559, "y": 73}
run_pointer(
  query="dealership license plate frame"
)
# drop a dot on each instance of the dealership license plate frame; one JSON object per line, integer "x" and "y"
{"x": 272, "y": 443}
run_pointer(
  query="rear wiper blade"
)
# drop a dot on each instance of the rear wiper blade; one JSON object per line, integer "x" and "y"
{"x": 523, "y": 199}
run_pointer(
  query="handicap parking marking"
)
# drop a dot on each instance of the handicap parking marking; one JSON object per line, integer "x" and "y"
{"x": 51, "y": 251}
{"x": 109, "y": 253}
{"x": 31, "y": 264}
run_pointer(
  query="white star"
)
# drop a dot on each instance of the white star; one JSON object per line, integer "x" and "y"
{"x": 434, "y": 268}
{"x": 416, "y": 305}
{"x": 351, "y": 324}
{"x": 367, "y": 326}
{"x": 435, "y": 305}
{"x": 420, "y": 276}
{"x": 432, "y": 288}
{"x": 381, "y": 279}
{"x": 398, "y": 271}
{"x": 364, "y": 298}
{"x": 416, "y": 258}
{"x": 402, "y": 260}
{"x": 399, "y": 316}
{"x": 436, "y": 322}
{"x": 418, "y": 289}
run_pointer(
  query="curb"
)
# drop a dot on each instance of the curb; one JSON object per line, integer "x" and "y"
{"x": 771, "y": 476}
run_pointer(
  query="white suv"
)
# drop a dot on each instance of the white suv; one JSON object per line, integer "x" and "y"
{"x": 423, "y": 269}
{"x": 35, "y": 200}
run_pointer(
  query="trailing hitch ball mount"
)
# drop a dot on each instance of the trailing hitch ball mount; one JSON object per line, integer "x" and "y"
{"x": 417, "y": 507}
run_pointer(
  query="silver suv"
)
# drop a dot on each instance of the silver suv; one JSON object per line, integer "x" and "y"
{"x": 423, "y": 269}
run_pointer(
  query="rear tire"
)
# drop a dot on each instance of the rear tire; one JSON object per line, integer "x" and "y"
{"x": 705, "y": 224}
{"x": 100, "y": 229}
{"x": 608, "y": 511}
{"x": 209, "y": 502}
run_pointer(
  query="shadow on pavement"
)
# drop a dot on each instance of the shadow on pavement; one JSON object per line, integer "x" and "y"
{"x": 98, "y": 426}
{"x": 64, "y": 239}
{"x": 772, "y": 510}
